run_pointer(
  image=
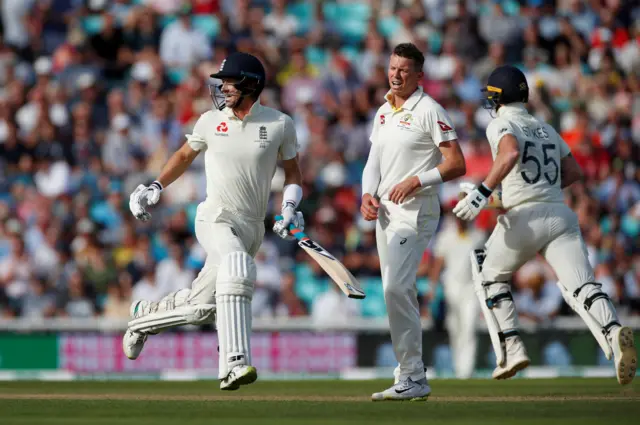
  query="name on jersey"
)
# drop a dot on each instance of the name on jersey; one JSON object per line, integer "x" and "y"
{"x": 222, "y": 129}
{"x": 538, "y": 133}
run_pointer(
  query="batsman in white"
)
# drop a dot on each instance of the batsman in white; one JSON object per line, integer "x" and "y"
{"x": 242, "y": 141}
{"x": 411, "y": 135}
{"x": 533, "y": 164}
{"x": 454, "y": 242}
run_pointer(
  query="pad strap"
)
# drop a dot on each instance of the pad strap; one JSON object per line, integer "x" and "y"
{"x": 493, "y": 301}
{"x": 588, "y": 302}
{"x": 607, "y": 328}
{"x": 508, "y": 334}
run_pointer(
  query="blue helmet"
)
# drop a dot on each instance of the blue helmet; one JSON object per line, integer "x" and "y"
{"x": 506, "y": 84}
{"x": 246, "y": 69}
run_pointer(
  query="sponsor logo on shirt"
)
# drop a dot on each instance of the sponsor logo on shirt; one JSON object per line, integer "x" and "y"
{"x": 381, "y": 119}
{"x": 444, "y": 127}
{"x": 221, "y": 129}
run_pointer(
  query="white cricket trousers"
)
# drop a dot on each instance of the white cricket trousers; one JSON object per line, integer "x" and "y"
{"x": 462, "y": 316}
{"x": 228, "y": 233}
{"x": 403, "y": 233}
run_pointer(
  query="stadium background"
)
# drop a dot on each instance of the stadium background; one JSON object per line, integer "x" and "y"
{"x": 96, "y": 94}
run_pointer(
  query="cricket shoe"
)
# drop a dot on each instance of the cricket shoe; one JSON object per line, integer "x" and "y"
{"x": 624, "y": 354}
{"x": 405, "y": 390}
{"x": 517, "y": 359}
{"x": 239, "y": 375}
{"x": 133, "y": 342}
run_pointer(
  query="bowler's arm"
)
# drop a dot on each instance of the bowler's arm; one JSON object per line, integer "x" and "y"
{"x": 177, "y": 165}
{"x": 506, "y": 158}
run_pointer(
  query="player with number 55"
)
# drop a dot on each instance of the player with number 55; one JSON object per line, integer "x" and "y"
{"x": 533, "y": 164}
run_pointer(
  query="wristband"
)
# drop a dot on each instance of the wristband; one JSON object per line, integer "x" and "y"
{"x": 157, "y": 184}
{"x": 484, "y": 190}
{"x": 430, "y": 177}
{"x": 291, "y": 195}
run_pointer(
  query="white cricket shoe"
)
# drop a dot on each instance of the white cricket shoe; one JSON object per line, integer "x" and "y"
{"x": 517, "y": 359}
{"x": 406, "y": 389}
{"x": 239, "y": 375}
{"x": 133, "y": 342}
{"x": 624, "y": 354}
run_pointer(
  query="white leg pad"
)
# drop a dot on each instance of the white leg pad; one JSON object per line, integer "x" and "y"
{"x": 492, "y": 295}
{"x": 183, "y": 315}
{"x": 590, "y": 297}
{"x": 234, "y": 290}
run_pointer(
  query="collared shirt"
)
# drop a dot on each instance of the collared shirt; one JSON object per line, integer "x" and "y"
{"x": 536, "y": 177}
{"x": 407, "y": 139}
{"x": 241, "y": 158}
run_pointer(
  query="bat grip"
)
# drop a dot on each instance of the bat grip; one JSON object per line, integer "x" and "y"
{"x": 291, "y": 226}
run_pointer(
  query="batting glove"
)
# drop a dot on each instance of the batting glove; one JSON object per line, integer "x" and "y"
{"x": 289, "y": 216}
{"x": 470, "y": 206}
{"x": 142, "y": 197}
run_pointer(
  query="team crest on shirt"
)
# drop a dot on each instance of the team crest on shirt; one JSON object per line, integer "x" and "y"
{"x": 405, "y": 121}
{"x": 262, "y": 137}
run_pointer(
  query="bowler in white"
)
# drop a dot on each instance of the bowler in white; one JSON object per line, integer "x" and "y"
{"x": 414, "y": 149}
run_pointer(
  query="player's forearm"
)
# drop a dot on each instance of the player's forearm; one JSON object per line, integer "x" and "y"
{"x": 371, "y": 174}
{"x": 452, "y": 168}
{"x": 502, "y": 166}
{"x": 292, "y": 190}
{"x": 174, "y": 168}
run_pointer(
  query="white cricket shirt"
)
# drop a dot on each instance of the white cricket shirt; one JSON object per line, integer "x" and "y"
{"x": 241, "y": 158}
{"x": 536, "y": 176}
{"x": 407, "y": 139}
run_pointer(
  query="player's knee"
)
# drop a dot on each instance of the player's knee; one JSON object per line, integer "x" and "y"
{"x": 396, "y": 292}
{"x": 236, "y": 275}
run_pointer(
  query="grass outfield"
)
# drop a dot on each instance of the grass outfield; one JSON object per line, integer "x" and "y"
{"x": 578, "y": 401}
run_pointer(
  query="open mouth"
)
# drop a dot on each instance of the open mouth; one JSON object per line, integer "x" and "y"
{"x": 396, "y": 84}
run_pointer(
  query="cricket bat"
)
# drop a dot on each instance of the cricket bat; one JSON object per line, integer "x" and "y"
{"x": 334, "y": 268}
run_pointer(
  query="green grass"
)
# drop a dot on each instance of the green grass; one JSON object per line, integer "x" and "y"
{"x": 519, "y": 401}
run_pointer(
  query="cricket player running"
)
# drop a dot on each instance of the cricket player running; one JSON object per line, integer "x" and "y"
{"x": 411, "y": 135}
{"x": 533, "y": 164}
{"x": 242, "y": 141}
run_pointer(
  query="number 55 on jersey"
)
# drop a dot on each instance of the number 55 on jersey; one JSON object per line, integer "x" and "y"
{"x": 334, "y": 268}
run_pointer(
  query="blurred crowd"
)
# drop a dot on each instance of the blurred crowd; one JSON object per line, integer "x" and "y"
{"x": 95, "y": 95}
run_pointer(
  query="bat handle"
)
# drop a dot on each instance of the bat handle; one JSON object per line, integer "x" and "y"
{"x": 291, "y": 226}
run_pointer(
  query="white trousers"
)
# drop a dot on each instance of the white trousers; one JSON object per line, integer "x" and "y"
{"x": 403, "y": 233}
{"x": 550, "y": 229}
{"x": 228, "y": 233}
{"x": 462, "y": 316}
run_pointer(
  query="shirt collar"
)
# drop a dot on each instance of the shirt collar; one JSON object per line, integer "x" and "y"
{"x": 255, "y": 110}
{"x": 409, "y": 103}
{"x": 512, "y": 108}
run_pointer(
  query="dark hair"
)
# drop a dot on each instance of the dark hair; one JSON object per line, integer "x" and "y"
{"x": 410, "y": 51}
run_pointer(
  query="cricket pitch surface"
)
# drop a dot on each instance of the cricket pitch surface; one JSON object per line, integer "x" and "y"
{"x": 579, "y": 401}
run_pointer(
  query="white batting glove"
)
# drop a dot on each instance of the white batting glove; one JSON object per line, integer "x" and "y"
{"x": 470, "y": 206}
{"x": 289, "y": 216}
{"x": 142, "y": 197}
